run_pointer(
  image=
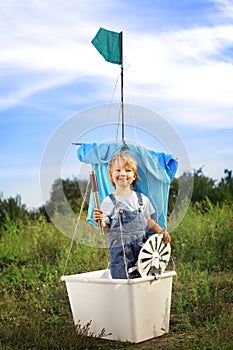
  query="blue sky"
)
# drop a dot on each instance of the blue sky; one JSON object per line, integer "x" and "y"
{"x": 178, "y": 58}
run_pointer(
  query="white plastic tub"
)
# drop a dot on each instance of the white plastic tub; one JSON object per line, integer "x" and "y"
{"x": 131, "y": 310}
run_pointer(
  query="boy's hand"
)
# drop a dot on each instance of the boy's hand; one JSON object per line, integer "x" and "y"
{"x": 166, "y": 237}
{"x": 98, "y": 215}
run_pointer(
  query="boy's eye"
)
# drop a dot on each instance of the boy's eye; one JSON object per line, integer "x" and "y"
{"x": 126, "y": 170}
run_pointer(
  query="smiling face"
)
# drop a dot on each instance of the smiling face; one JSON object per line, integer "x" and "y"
{"x": 122, "y": 174}
{"x": 122, "y": 170}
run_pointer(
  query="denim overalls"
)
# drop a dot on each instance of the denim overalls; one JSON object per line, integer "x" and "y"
{"x": 126, "y": 236}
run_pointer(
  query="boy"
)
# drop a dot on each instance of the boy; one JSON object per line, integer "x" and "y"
{"x": 126, "y": 217}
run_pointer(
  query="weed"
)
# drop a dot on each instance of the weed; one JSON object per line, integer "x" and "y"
{"x": 35, "y": 311}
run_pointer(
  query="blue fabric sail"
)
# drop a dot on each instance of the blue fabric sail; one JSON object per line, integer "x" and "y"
{"x": 155, "y": 169}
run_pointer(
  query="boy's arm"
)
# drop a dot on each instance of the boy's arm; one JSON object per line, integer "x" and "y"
{"x": 153, "y": 226}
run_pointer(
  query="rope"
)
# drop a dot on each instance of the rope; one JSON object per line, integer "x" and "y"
{"x": 110, "y": 106}
{"x": 173, "y": 263}
{"x": 76, "y": 227}
{"x": 123, "y": 248}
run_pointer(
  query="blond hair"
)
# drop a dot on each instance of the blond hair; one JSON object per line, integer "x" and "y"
{"x": 128, "y": 160}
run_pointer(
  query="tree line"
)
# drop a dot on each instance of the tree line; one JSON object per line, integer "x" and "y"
{"x": 204, "y": 189}
{"x": 12, "y": 209}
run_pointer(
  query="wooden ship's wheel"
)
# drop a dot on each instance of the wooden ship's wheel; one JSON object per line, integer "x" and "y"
{"x": 154, "y": 256}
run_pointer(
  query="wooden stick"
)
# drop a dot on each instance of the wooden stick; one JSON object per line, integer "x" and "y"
{"x": 95, "y": 191}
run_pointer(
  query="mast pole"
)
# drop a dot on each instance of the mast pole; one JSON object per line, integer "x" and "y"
{"x": 122, "y": 92}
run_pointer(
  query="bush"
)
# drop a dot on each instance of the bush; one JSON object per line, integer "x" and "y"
{"x": 35, "y": 307}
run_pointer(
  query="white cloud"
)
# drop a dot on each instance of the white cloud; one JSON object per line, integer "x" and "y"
{"x": 226, "y": 7}
{"x": 188, "y": 71}
{"x": 49, "y": 42}
{"x": 45, "y": 45}
{"x": 181, "y": 69}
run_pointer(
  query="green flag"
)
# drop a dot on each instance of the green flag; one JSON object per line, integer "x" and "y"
{"x": 108, "y": 44}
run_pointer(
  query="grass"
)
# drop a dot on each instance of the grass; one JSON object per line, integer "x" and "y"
{"x": 35, "y": 312}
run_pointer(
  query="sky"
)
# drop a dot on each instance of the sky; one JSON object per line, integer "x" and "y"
{"x": 178, "y": 62}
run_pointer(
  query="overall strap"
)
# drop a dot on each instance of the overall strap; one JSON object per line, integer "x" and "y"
{"x": 115, "y": 204}
{"x": 140, "y": 201}
{"x": 113, "y": 198}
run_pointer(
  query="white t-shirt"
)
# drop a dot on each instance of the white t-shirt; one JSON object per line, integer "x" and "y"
{"x": 129, "y": 203}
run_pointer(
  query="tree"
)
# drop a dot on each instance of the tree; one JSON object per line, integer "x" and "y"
{"x": 64, "y": 191}
{"x": 225, "y": 187}
{"x": 72, "y": 191}
{"x": 203, "y": 187}
{"x": 12, "y": 210}
{"x": 173, "y": 193}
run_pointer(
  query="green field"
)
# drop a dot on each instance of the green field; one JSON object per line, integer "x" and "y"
{"x": 35, "y": 312}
